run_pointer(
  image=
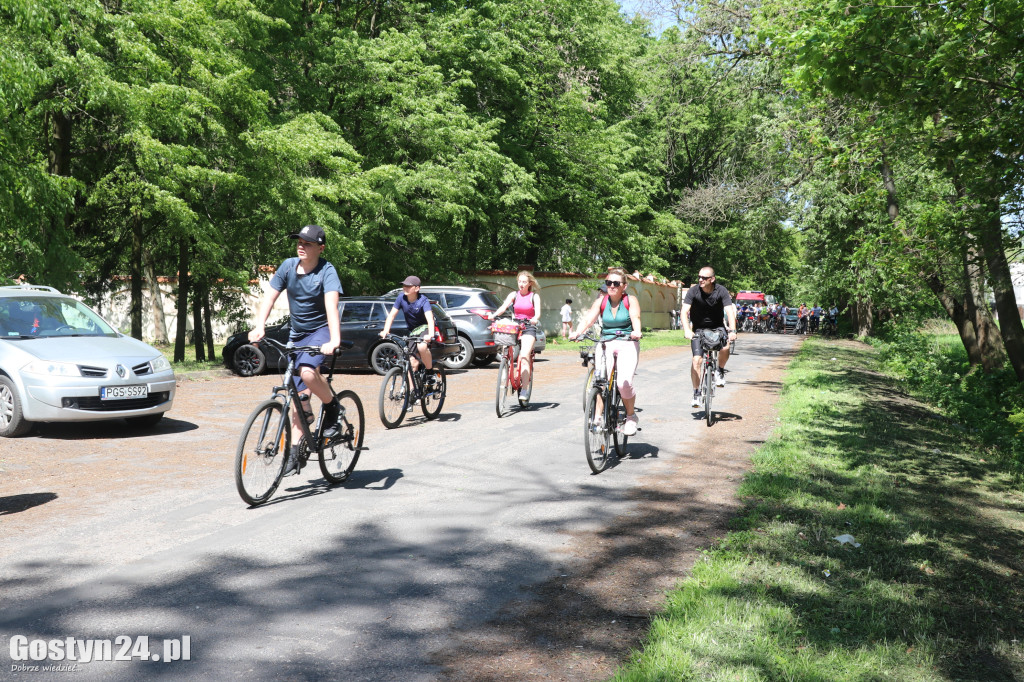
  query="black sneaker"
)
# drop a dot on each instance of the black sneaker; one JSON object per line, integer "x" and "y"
{"x": 332, "y": 421}
{"x": 294, "y": 463}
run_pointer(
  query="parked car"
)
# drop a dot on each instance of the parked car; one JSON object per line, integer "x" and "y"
{"x": 791, "y": 318}
{"x": 468, "y": 307}
{"x": 62, "y": 362}
{"x": 362, "y": 319}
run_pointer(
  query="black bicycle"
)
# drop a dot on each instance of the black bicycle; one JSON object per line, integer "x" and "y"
{"x": 403, "y": 387}
{"x": 710, "y": 342}
{"x": 828, "y": 327}
{"x": 587, "y": 356}
{"x": 266, "y": 439}
{"x": 604, "y": 414}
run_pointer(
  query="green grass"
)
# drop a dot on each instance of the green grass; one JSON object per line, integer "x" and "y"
{"x": 190, "y": 364}
{"x": 934, "y": 592}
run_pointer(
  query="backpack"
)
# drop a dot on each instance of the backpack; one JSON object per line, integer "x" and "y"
{"x": 604, "y": 302}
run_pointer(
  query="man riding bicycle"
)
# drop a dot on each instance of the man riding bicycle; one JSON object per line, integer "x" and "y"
{"x": 418, "y": 314}
{"x": 313, "y": 290}
{"x": 707, "y": 305}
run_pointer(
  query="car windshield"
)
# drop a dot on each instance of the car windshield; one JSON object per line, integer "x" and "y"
{"x": 40, "y": 316}
{"x": 490, "y": 299}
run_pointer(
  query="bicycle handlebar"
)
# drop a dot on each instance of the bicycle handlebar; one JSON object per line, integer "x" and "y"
{"x": 289, "y": 349}
{"x": 589, "y": 336}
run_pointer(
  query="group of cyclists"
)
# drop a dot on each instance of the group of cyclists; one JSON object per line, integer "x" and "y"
{"x": 314, "y": 289}
{"x": 772, "y": 317}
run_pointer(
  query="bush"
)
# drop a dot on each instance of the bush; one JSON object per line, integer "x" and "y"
{"x": 933, "y": 365}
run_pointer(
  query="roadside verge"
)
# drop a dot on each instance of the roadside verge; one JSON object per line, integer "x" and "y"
{"x": 876, "y": 543}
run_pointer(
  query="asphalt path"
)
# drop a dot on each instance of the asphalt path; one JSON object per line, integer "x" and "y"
{"x": 441, "y": 523}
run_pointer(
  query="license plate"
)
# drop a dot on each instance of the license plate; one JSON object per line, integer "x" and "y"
{"x": 123, "y": 392}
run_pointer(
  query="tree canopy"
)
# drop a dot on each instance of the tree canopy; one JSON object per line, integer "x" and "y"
{"x": 863, "y": 155}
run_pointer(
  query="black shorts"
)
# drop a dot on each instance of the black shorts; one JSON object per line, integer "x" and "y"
{"x": 695, "y": 347}
{"x": 530, "y": 330}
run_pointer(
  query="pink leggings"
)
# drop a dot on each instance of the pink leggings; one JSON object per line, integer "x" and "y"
{"x": 628, "y": 356}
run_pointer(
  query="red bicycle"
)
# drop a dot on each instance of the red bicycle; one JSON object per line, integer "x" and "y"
{"x": 507, "y": 334}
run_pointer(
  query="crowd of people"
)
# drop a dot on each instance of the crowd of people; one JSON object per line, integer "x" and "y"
{"x": 772, "y": 317}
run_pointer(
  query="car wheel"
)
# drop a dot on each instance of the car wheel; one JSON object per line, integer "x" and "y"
{"x": 248, "y": 361}
{"x": 145, "y": 421}
{"x": 12, "y": 422}
{"x": 483, "y": 360}
{"x": 461, "y": 359}
{"x": 384, "y": 356}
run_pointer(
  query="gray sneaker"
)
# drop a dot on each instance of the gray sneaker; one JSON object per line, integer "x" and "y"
{"x": 695, "y": 401}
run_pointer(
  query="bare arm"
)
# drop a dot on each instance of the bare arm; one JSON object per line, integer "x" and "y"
{"x": 333, "y": 322}
{"x": 388, "y": 322}
{"x": 430, "y": 324}
{"x": 259, "y": 330}
{"x": 730, "y": 312}
{"x": 684, "y": 318}
{"x": 504, "y": 306}
{"x": 587, "y": 321}
{"x": 634, "y": 317}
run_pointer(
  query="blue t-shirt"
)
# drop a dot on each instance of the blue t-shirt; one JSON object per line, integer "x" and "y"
{"x": 415, "y": 312}
{"x": 306, "y": 293}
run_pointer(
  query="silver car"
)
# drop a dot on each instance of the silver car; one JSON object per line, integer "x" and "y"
{"x": 61, "y": 362}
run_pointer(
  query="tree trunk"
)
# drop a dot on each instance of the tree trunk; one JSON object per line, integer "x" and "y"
{"x": 156, "y": 300}
{"x": 863, "y": 316}
{"x": 957, "y": 312}
{"x": 183, "y": 286}
{"x": 208, "y": 326}
{"x": 197, "y": 324}
{"x": 135, "y": 314}
{"x": 1010, "y": 326}
{"x": 989, "y": 341}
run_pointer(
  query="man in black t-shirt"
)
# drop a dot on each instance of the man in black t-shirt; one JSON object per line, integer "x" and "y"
{"x": 707, "y": 305}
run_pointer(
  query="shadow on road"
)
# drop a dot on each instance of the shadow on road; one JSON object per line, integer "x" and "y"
{"x": 13, "y": 504}
{"x": 105, "y": 429}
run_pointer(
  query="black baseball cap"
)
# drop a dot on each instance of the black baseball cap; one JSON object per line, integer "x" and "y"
{"x": 311, "y": 233}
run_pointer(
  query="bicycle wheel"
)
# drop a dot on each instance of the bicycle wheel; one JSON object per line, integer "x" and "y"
{"x": 709, "y": 390}
{"x": 587, "y": 384}
{"x": 526, "y": 388}
{"x": 502, "y": 390}
{"x": 618, "y": 415}
{"x": 262, "y": 451}
{"x": 595, "y": 434}
{"x": 339, "y": 455}
{"x": 435, "y": 387}
{"x": 394, "y": 397}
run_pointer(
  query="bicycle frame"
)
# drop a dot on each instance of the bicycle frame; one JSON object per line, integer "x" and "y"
{"x": 291, "y": 393}
{"x": 709, "y": 365}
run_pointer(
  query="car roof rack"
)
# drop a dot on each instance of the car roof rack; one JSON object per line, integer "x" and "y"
{"x": 31, "y": 287}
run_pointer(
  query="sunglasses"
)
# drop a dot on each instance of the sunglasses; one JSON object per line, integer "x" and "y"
{"x": 702, "y": 277}
{"x": 613, "y": 283}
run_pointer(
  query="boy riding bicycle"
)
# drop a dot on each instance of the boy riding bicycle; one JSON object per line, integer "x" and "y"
{"x": 313, "y": 291}
{"x": 418, "y": 313}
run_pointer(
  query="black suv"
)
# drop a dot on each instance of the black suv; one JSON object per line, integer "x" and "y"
{"x": 362, "y": 319}
{"x": 467, "y": 306}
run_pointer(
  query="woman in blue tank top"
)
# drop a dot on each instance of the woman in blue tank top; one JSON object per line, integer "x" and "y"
{"x": 619, "y": 312}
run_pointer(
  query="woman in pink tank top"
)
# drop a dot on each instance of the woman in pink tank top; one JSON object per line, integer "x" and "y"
{"x": 525, "y": 305}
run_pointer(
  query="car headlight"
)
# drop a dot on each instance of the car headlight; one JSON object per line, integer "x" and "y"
{"x": 160, "y": 364}
{"x": 52, "y": 369}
